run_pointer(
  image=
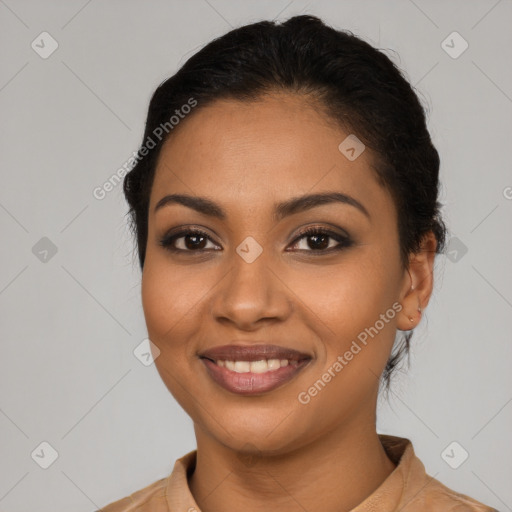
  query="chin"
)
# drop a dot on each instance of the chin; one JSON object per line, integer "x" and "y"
{"x": 255, "y": 432}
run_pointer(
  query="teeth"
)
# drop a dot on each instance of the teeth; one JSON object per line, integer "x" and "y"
{"x": 242, "y": 366}
{"x": 274, "y": 364}
{"x": 261, "y": 366}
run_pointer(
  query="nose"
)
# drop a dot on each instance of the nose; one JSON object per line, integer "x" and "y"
{"x": 251, "y": 295}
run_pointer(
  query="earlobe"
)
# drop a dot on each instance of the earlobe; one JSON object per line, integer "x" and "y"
{"x": 421, "y": 283}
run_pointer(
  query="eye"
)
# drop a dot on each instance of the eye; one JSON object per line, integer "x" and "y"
{"x": 319, "y": 240}
{"x": 196, "y": 240}
{"x": 188, "y": 240}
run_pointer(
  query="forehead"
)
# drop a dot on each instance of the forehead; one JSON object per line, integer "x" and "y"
{"x": 277, "y": 146}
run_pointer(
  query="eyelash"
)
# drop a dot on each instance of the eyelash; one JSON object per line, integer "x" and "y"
{"x": 343, "y": 241}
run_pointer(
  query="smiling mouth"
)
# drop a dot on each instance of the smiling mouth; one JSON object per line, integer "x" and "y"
{"x": 254, "y": 369}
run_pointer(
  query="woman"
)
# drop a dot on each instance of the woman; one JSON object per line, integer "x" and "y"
{"x": 284, "y": 202}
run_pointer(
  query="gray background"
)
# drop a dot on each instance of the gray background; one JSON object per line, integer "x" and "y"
{"x": 70, "y": 321}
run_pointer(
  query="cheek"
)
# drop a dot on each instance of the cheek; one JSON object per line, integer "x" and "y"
{"x": 354, "y": 310}
{"x": 168, "y": 305}
{"x": 350, "y": 295}
{"x": 166, "y": 301}
{"x": 174, "y": 300}
{"x": 356, "y": 306}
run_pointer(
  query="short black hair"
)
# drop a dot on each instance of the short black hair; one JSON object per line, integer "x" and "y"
{"x": 356, "y": 85}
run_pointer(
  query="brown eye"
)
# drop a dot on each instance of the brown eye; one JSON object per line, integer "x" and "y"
{"x": 322, "y": 241}
{"x": 190, "y": 240}
{"x": 318, "y": 241}
{"x": 194, "y": 241}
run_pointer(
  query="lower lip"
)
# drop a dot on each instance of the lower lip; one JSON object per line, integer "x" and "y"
{"x": 252, "y": 383}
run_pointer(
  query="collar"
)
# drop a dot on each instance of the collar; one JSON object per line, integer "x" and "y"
{"x": 400, "y": 489}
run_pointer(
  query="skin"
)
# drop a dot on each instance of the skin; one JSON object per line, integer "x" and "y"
{"x": 270, "y": 450}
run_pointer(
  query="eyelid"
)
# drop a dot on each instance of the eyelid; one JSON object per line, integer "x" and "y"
{"x": 186, "y": 228}
{"x": 319, "y": 227}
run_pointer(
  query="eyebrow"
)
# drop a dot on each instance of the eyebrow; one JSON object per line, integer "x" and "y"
{"x": 281, "y": 210}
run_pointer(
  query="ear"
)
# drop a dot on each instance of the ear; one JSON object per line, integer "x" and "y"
{"x": 418, "y": 284}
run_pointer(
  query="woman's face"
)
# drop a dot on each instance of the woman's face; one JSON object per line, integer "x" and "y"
{"x": 256, "y": 280}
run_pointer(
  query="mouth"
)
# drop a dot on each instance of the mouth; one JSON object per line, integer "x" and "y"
{"x": 253, "y": 369}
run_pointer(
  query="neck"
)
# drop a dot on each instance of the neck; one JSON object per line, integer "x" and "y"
{"x": 335, "y": 472}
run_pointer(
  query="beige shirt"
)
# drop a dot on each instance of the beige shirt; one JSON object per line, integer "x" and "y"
{"x": 407, "y": 489}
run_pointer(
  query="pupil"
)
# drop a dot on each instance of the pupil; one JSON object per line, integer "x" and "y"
{"x": 195, "y": 244}
{"x": 322, "y": 245}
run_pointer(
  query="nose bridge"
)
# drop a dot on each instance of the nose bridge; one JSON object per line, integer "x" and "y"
{"x": 251, "y": 264}
{"x": 251, "y": 291}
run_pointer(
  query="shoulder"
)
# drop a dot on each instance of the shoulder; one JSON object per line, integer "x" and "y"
{"x": 418, "y": 490}
{"x": 164, "y": 495}
{"x": 435, "y": 496}
{"x": 429, "y": 494}
{"x": 150, "y": 498}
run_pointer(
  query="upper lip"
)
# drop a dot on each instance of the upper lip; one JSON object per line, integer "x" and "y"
{"x": 252, "y": 353}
